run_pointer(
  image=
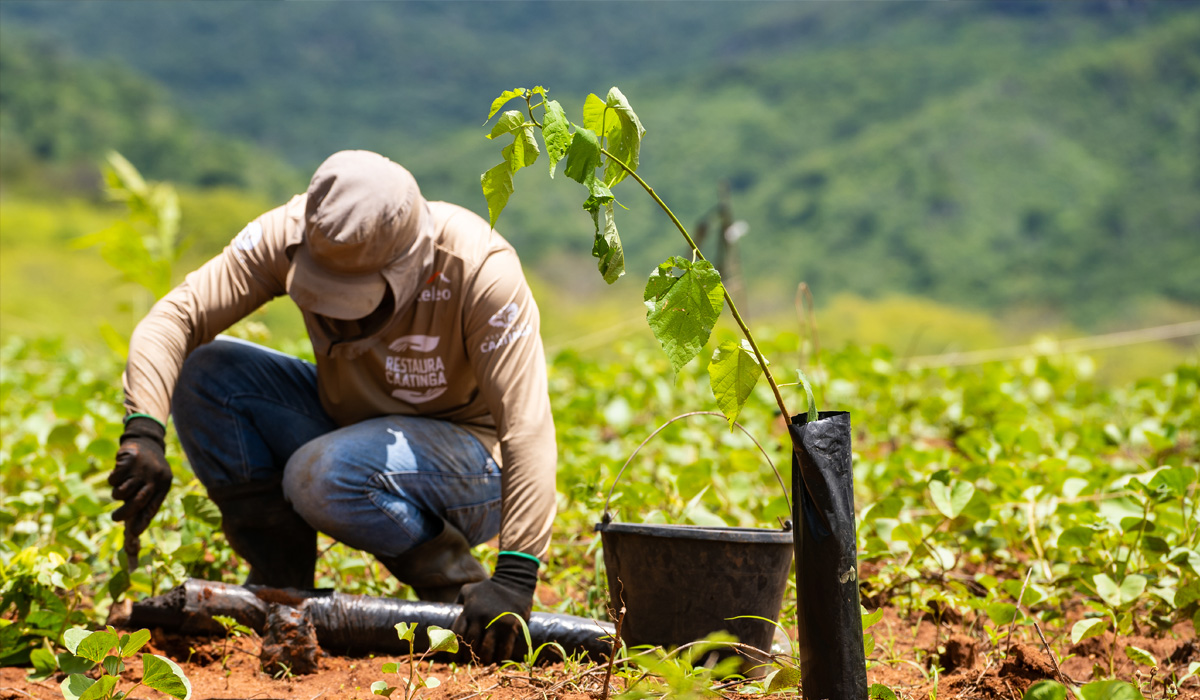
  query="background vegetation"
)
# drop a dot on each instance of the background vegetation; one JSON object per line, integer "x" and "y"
{"x": 992, "y": 155}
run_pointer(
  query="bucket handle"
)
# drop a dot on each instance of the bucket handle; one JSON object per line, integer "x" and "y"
{"x": 608, "y": 516}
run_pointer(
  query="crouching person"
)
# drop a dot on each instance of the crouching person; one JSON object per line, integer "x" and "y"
{"x": 423, "y": 429}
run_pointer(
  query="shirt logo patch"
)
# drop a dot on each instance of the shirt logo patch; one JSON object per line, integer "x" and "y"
{"x": 505, "y": 319}
{"x": 416, "y": 343}
{"x": 415, "y": 379}
{"x": 437, "y": 292}
{"x": 248, "y": 237}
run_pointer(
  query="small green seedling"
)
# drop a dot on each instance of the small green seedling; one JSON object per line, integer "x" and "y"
{"x": 439, "y": 640}
{"x": 686, "y": 673}
{"x": 109, "y": 649}
{"x": 233, "y": 629}
{"x": 1116, "y": 608}
{"x": 1097, "y": 690}
{"x": 531, "y": 654}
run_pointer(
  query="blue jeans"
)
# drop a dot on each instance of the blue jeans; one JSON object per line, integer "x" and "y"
{"x": 246, "y": 414}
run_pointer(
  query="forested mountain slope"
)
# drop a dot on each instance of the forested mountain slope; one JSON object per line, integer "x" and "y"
{"x": 985, "y": 154}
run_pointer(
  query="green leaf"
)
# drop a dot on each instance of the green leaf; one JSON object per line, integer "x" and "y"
{"x": 522, "y": 151}
{"x": 101, "y": 689}
{"x": 606, "y": 247}
{"x": 733, "y": 372}
{"x": 813, "y": 414}
{"x": 382, "y": 688}
{"x": 165, "y": 676}
{"x": 1132, "y": 588}
{"x": 390, "y": 667}
{"x": 97, "y": 645}
{"x": 624, "y": 137}
{"x": 442, "y": 639}
{"x": 1046, "y": 690}
{"x": 594, "y": 110}
{"x": 1187, "y": 594}
{"x": 224, "y": 621}
{"x": 44, "y": 664}
{"x": 503, "y": 100}
{"x": 406, "y": 631}
{"x": 879, "y": 691}
{"x": 683, "y": 309}
{"x": 786, "y": 678}
{"x": 201, "y": 508}
{"x": 556, "y": 131}
{"x": 1183, "y": 555}
{"x": 1110, "y": 690}
{"x": 73, "y": 636}
{"x": 1176, "y": 480}
{"x": 75, "y": 685}
{"x": 69, "y": 663}
{"x": 1077, "y": 536}
{"x": 583, "y": 157}
{"x": 869, "y": 619}
{"x": 1140, "y": 656}
{"x": 113, "y": 665}
{"x": 1108, "y": 590}
{"x": 118, "y": 584}
{"x": 950, "y": 499}
{"x": 1001, "y": 613}
{"x": 497, "y": 188}
{"x": 1086, "y": 629}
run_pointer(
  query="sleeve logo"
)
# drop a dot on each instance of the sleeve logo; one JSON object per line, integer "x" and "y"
{"x": 506, "y": 316}
{"x": 249, "y": 236}
{"x": 506, "y": 319}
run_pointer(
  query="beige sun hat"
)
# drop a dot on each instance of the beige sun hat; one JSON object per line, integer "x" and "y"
{"x": 365, "y": 228}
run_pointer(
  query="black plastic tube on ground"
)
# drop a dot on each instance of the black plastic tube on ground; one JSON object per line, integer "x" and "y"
{"x": 828, "y": 613}
{"x": 351, "y": 623}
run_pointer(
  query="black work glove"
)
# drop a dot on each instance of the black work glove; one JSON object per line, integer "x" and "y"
{"x": 510, "y": 589}
{"x": 141, "y": 478}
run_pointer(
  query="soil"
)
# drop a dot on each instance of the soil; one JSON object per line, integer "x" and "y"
{"x": 972, "y": 668}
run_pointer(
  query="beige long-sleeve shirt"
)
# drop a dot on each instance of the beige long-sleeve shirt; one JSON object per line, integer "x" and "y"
{"x": 466, "y": 349}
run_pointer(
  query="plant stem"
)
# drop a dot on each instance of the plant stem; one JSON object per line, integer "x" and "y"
{"x": 787, "y": 416}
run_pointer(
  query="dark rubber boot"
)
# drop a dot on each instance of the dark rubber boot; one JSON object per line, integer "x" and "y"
{"x": 439, "y": 568}
{"x": 264, "y": 529}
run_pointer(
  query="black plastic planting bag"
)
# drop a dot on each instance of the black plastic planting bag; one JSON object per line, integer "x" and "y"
{"x": 829, "y": 619}
{"x": 356, "y": 623}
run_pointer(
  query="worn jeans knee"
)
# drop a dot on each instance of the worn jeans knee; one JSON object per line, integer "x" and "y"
{"x": 383, "y": 485}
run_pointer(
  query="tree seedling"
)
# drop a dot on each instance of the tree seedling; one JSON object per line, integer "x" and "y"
{"x": 108, "y": 649}
{"x": 439, "y": 640}
{"x": 683, "y": 297}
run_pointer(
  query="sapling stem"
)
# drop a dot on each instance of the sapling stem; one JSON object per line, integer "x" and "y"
{"x": 762, "y": 362}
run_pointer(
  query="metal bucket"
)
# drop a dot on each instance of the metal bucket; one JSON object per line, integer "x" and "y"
{"x": 680, "y": 583}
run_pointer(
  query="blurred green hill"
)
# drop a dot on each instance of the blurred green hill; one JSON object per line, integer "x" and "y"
{"x": 990, "y": 155}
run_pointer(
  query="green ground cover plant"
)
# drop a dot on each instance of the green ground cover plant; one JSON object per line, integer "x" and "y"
{"x": 108, "y": 649}
{"x": 1024, "y": 500}
{"x": 1052, "y": 457}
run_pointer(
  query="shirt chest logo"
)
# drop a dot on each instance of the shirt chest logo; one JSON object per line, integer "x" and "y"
{"x": 414, "y": 373}
{"x": 436, "y": 288}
